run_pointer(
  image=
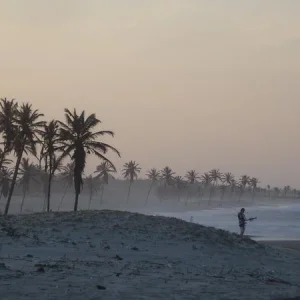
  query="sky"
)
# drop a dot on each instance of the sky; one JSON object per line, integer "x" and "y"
{"x": 192, "y": 84}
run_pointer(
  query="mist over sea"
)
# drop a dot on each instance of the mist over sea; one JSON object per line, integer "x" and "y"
{"x": 274, "y": 223}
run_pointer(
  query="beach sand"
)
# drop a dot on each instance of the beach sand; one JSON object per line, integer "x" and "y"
{"x": 121, "y": 255}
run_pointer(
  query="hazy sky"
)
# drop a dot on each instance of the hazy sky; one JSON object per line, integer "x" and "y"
{"x": 187, "y": 83}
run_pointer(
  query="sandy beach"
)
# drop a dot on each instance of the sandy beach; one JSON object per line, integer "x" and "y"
{"x": 121, "y": 255}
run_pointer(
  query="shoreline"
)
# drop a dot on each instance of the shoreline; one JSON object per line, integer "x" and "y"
{"x": 286, "y": 244}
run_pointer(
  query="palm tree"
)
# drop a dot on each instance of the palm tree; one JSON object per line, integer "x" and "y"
{"x": 167, "y": 175}
{"x": 8, "y": 110}
{"x": 215, "y": 176}
{"x": 206, "y": 181}
{"x": 90, "y": 182}
{"x": 228, "y": 179}
{"x": 286, "y": 190}
{"x": 253, "y": 182}
{"x": 78, "y": 140}
{"x": 276, "y": 192}
{"x": 104, "y": 171}
{"x": 243, "y": 182}
{"x": 154, "y": 176}
{"x": 67, "y": 177}
{"x": 269, "y": 191}
{"x": 223, "y": 188}
{"x": 180, "y": 184}
{"x": 26, "y": 139}
{"x": 27, "y": 173}
{"x": 130, "y": 171}
{"x": 5, "y": 180}
{"x": 50, "y": 146}
{"x": 192, "y": 176}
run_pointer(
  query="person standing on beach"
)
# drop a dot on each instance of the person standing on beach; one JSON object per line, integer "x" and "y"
{"x": 242, "y": 221}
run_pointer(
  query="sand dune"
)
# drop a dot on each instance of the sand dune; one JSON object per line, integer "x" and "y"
{"x": 121, "y": 255}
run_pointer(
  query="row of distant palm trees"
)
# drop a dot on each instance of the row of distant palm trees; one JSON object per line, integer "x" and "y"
{"x": 210, "y": 181}
{"x": 24, "y": 133}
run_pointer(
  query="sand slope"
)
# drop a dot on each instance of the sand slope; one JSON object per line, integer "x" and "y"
{"x": 120, "y": 255}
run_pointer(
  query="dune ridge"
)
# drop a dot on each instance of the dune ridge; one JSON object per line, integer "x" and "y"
{"x": 121, "y": 255}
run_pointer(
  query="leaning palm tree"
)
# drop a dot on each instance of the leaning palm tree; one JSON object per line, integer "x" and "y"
{"x": 253, "y": 182}
{"x": 27, "y": 173}
{"x": 104, "y": 171}
{"x": 130, "y": 172}
{"x": 167, "y": 176}
{"x": 67, "y": 177}
{"x": 8, "y": 110}
{"x": 154, "y": 176}
{"x": 26, "y": 138}
{"x": 78, "y": 140}
{"x": 50, "y": 146}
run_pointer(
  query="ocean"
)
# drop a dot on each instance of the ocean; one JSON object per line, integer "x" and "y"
{"x": 273, "y": 223}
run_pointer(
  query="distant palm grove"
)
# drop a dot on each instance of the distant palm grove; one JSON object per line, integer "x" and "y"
{"x": 51, "y": 156}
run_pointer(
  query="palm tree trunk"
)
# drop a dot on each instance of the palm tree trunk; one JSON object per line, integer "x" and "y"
{"x": 49, "y": 186}
{"x": 146, "y": 202}
{"x": 76, "y": 201}
{"x": 11, "y": 190}
{"x": 63, "y": 197}
{"x": 24, "y": 195}
{"x": 128, "y": 194}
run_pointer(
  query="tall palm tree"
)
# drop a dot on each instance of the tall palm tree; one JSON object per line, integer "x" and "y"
{"x": 27, "y": 173}
{"x": 50, "y": 146}
{"x": 253, "y": 182}
{"x": 243, "y": 182}
{"x": 67, "y": 177}
{"x": 154, "y": 176}
{"x": 167, "y": 176}
{"x": 206, "y": 181}
{"x": 28, "y": 127}
{"x": 104, "y": 171}
{"x": 130, "y": 172}
{"x": 8, "y": 110}
{"x": 78, "y": 140}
